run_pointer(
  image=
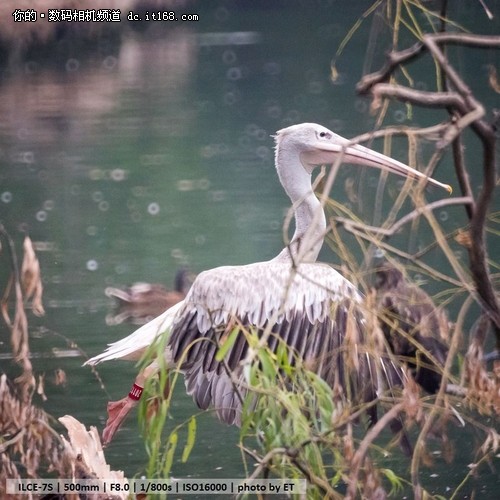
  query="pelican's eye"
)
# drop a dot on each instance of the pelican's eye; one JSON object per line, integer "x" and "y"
{"x": 325, "y": 135}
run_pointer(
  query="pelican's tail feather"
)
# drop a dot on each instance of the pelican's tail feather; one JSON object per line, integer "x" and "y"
{"x": 133, "y": 346}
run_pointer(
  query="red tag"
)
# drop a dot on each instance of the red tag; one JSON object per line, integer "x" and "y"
{"x": 136, "y": 392}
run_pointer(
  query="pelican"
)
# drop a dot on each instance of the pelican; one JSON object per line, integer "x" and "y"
{"x": 309, "y": 306}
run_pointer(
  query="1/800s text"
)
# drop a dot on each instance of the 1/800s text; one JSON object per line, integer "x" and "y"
{"x": 190, "y": 486}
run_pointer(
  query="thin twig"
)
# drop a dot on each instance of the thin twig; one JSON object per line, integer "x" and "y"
{"x": 361, "y": 452}
{"x": 349, "y": 224}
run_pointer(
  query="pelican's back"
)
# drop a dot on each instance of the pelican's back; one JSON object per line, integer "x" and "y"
{"x": 312, "y": 309}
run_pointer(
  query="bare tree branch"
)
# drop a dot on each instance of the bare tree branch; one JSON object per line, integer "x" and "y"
{"x": 466, "y": 111}
{"x": 349, "y": 224}
{"x": 361, "y": 452}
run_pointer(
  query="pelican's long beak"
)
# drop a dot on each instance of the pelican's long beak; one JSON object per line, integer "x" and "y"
{"x": 329, "y": 153}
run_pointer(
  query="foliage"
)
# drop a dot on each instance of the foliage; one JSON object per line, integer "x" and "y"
{"x": 302, "y": 427}
{"x": 153, "y": 414}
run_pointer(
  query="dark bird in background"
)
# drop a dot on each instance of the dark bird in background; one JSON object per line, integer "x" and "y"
{"x": 142, "y": 302}
{"x": 413, "y": 326}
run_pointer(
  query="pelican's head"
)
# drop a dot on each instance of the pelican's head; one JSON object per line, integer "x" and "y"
{"x": 303, "y": 137}
{"x": 316, "y": 145}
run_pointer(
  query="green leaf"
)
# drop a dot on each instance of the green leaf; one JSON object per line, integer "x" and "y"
{"x": 229, "y": 342}
{"x": 268, "y": 367}
{"x": 283, "y": 360}
{"x": 172, "y": 445}
{"x": 191, "y": 437}
{"x": 396, "y": 483}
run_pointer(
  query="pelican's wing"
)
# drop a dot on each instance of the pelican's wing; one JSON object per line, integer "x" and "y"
{"x": 312, "y": 308}
{"x": 133, "y": 346}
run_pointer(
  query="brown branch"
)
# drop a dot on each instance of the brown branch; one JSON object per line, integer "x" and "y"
{"x": 292, "y": 454}
{"x": 349, "y": 224}
{"x": 448, "y": 100}
{"x": 462, "y": 175}
{"x": 466, "y": 111}
{"x": 326, "y": 490}
{"x": 361, "y": 452}
{"x": 477, "y": 252}
{"x": 395, "y": 59}
{"x": 432, "y": 133}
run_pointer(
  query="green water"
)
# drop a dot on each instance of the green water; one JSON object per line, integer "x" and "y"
{"x": 127, "y": 157}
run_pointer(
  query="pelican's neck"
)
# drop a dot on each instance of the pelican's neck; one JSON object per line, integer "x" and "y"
{"x": 310, "y": 221}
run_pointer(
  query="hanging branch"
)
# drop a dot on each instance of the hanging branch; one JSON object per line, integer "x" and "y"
{"x": 466, "y": 111}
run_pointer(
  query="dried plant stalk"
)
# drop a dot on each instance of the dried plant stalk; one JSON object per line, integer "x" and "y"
{"x": 31, "y": 277}
{"x": 31, "y": 448}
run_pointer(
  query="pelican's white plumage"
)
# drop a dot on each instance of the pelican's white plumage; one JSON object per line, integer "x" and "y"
{"x": 309, "y": 306}
{"x": 134, "y": 346}
{"x": 259, "y": 291}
